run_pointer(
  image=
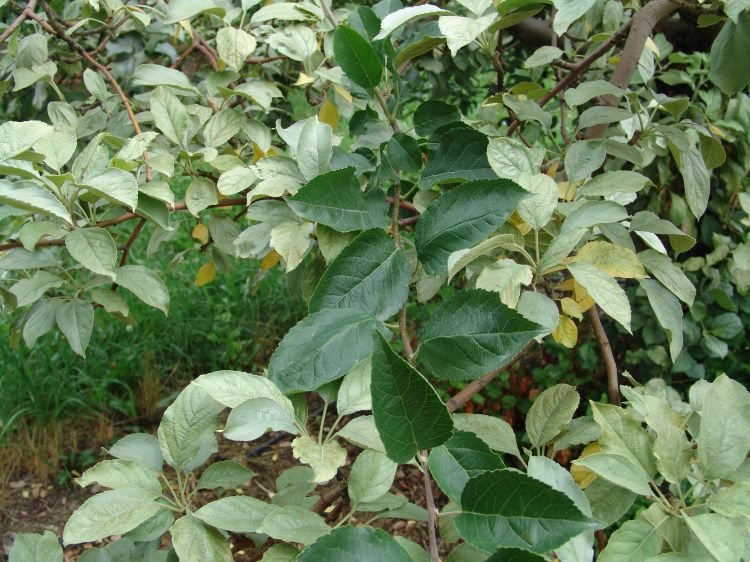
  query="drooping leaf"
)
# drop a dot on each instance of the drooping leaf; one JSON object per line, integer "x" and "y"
{"x": 463, "y": 217}
{"x": 292, "y": 523}
{"x": 224, "y": 474}
{"x": 139, "y": 447}
{"x": 75, "y": 318}
{"x": 321, "y": 348}
{"x": 370, "y": 275}
{"x": 94, "y": 249}
{"x": 635, "y": 540}
{"x": 460, "y": 458}
{"x": 335, "y": 199}
{"x": 113, "y": 512}
{"x": 363, "y": 544}
{"x": 357, "y": 57}
{"x": 727, "y": 71}
{"x": 551, "y": 411}
{"x": 460, "y": 154}
{"x": 32, "y": 197}
{"x": 193, "y": 541}
{"x": 471, "y": 334}
{"x": 604, "y": 290}
{"x": 408, "y": 412}
{"x": 144, "y": 284}
{"x": 507, "y": 509}
{"x": 371, "y": 476}
{"x": 240, "y": 514}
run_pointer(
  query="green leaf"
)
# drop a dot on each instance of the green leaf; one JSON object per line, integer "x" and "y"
{"x": 396, "y": 19}
{"x": 186, "y": 431}
{"x": 39, "y": 320}
{"x": 568, "y": 11}
{"x": 321, "y": 348}
{"x": 356, "y": 57}
{"x": 408, "y": 412}
{"x": 75, "y": 318}
{"x": 460, "y": 458}
{"x": 727, "y": 71}
{"x": 239, "y": 514}
{"x": 363, "y": 433}
{"x": 724, "y": 437}
{"x": 371, "y": 476}
{"x": 170, "y": 115}
{"x": 145, "y": 285}
{"x": 623, "y": 434}
{"x": 223, "y": 126}
{"x": 404, "y": 153}
{"x": 604, "y": 290}
{"x": 118, "y": 473}
{"x": 496, "y": 432}
{"x": 224, "y": 474}
{"x": 543, "y": 56}
{"x": 718, "y": 535}
{"x": 354, "y": 392}
{"x": 370, "y": 275}
{"x": 619, "y": 470}
{"x": 509, "y": 157}
{"x": 31, "y": 547}
{"x": 115, "y": 185}
{"x": 695, "y": 176}
{"x": 234, "y": 46}
{"x": 460, "y": 153}
{"x": 139, "y": 447}
{"x": 32, "y": 197}
{"x": 200, "y": 194}
{"x": 636, "y": 540}
{"x": 325, "y": 459}
{"x": 291, "y": 239}
{"x": 292, "y": 523}
{"x": 113, "y": 512}
{"x": 335, "y": 199}
{"x": 505, "y": 277}
{"x": 583, "y": 158}
{"x": 551, "y": 411}
{"x": 537, "y": 210}
{"x": 28, "y": 291}
{"x": 733, "y": 501}
{"x": 232, "y": 388}
{"x": 434, "y": 114}
{"x": 608, "y": 501}
{"x": 17, "y": 137}
{"x": 463, "y": 217}
{"x": 507, "y": 509}
{"x": 363, "y": 544}
{"x": 589, "y": 90}
{"x": 601, "y": 115}
{"x": 461, "y": 31}
{"x": 471, "y": 334}
{"x": 668, "y": 313}
{"x": 254, "y": 417}
{"x": 154, "y": 75}
{"x": 670, "y": 275}
{"x": 94, "y": 249}
{"x": 617, "y": 181}
{"x": 195, "y": 542}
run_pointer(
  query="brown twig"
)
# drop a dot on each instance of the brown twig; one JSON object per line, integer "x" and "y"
{"x": 179, "y": 206}
{"x": 329, "y": 14}
{"x": 22, "y": 17}
{"x": 462, "y": 397}
{"x": 613, "y": 386}
{"x": 431, "y": 509}
{"x": 129, "y": 244}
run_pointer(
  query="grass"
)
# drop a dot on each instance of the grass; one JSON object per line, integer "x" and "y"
{"x": 48, "y": 394}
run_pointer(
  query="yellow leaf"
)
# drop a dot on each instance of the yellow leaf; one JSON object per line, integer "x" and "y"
{"x": 552, "y": 170}
{"x": 329, "y": 114}
{"x": 567, "y": 285}
{"x": 651, "y": 46}
{"x": 579, "y": 291}
{"x": 270, "y": 260}
{"x": 566, "y": 190}
{"x": 200, "y": 233}
{"x": 582, "y": 475}
{"x": 258, "y": 152}
{"x": 304, "y": 80}
{"x": 586, "y": 303}
{"x": 615, "y": 260}
{"x": 566, "y": 332}
{"x": 718, "y": 132}
{"x": 571, "y": 308}
{"x": 343, "y": 92}
{"x": 206, "y": 274}
{"x": 521, "y": 226}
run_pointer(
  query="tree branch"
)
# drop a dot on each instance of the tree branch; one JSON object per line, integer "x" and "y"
{"x": 462, "y": 397}
{"x": 641, "y": 26}
{"x": 22, "y": 17}
{"x": 613, "y": 386}
{"x": 431, "y": 509}
{"x": 179, "y": 206}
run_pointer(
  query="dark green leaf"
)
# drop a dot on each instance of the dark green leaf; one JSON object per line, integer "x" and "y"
{"x": 507, "y": 509}
{"x": 515, "y": 555}
{"x": 463, "y": 217}
{"x": 729, "y": 71}
{"x": 404, "y": 154}
{"x": 335, "y": 199}
{"x": 322, "y": 348}
{"x": 432, "y": 115}
{"x": 356, "y": 57}
{"x": 460, "y": 154}
{"x": 362, "y": 544}
{"x": 471, "y": 334}
{"x": 460, "y": 458}
{"x": 370, "y": 275}
{"x": 408, "y": 412}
